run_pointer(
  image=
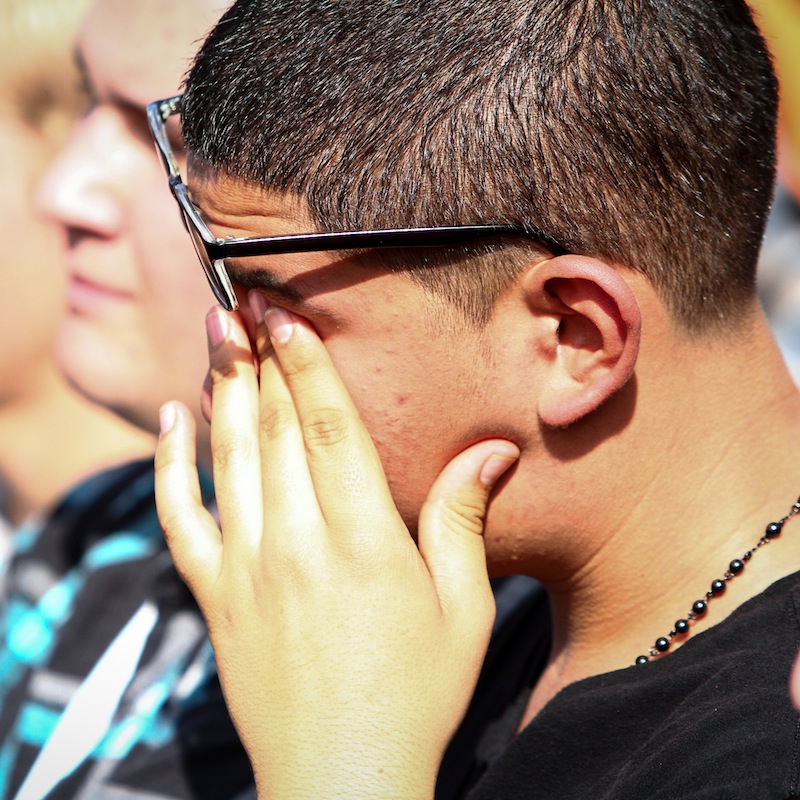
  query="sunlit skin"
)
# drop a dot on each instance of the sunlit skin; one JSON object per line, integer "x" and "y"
{"x": 645, "y": 458}
{"x": 136, "y": 294}
{"x": 395, "y": 348}
{"x": 317, "y": 606}
{"x": 427, "y": 386}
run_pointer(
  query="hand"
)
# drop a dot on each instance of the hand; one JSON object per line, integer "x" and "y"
{"x": 347, "y": 654}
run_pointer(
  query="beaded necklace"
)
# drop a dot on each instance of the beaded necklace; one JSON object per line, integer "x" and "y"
{"x": 736, "y": 567}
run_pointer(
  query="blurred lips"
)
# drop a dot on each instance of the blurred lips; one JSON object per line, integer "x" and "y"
{"x": 84, "y": 294}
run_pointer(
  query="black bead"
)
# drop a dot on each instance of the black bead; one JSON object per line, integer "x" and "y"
{"x": 641, "y": 660}
{"x": 662, "y": 644}
{"x": 682, "y": 626}
{"x": 717, "y": 587}
{"x": 699, "y": 607}
{"x": 736, "y": 566}
{"x": 773, "y": 529}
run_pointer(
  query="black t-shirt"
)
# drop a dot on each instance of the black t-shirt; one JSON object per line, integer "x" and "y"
{"x": 517, "y": 653}
{"x": 711, "y": 721}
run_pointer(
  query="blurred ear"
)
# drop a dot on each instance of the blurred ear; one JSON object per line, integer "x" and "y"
{"x": 591, "y": 341}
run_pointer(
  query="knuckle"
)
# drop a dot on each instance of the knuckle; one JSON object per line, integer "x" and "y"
{"x": 277, "y": 418}
{"x": 234, "y": 448}
{"x": 302, "y": 365}
{"x": 172, "y": 520}
{"x": 465, "y": 514}
{"x": 325, "y": 428}
{"x": 165, "y": 461}
{"x": 296, "y": 564}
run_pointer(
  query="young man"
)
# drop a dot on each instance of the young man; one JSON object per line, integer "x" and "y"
{"x": 107, "y": 684}
{"x": 598, "y": 361}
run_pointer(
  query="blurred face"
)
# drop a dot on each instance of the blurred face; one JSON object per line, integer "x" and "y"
{"x": 32, "y": 279}
{"x": 134, "y": 335}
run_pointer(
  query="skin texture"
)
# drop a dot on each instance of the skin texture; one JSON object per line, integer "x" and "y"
{"x": 136, "y": 293}
{"x": 624, "y": 455}
{"x": 403, "y": 355}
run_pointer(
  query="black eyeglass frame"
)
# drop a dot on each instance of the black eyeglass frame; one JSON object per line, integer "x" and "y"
{"x": 212, "y": 250}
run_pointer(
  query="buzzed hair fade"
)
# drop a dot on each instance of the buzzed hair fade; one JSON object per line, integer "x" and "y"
{"x": 637, "y": 131}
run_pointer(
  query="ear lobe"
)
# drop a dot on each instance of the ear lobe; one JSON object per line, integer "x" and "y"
{"x": 593, "y": 342}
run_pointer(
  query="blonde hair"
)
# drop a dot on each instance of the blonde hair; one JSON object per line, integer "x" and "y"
{"x": 39, "y": 81}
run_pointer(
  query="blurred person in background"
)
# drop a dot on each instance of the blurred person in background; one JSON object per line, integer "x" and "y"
{"x": 779, "y": 265}
{"x": 50, "y": 435}
{"x": 107, "y": 681}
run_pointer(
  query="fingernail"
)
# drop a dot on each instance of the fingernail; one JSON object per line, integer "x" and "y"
{"x": 258, "y": 305}
{"x": 217, "y": 326}
{"x": 494, "y": 467}
{"x": 279, "y": 325}
{"x": 167, "y": 416}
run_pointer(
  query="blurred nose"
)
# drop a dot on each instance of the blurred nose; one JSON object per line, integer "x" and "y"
{"x": 84, "y": 186}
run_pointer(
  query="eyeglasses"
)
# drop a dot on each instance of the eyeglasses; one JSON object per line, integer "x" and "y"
{"x": 212, "y": 251}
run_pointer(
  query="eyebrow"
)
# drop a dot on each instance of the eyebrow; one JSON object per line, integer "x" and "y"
{"x": 262, "y": 278}
{"x": 125, "y": 104}
{"x": 83, "y": 71}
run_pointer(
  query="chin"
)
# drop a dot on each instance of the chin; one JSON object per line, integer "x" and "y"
{"x": 98, "y": 375}
{"x": 144, "y": 418}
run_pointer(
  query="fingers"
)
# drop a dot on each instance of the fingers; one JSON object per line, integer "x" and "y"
{"x": 286, "y": 483}
{"x": 451, "y": 527}
{"x": 191, "y": 532}
{"x": 342, "y": 462}
{"x": 294, "y": 468}
{"x": 234, "y": 428}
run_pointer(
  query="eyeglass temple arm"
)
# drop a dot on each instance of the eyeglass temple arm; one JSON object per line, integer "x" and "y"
{"x": 157, "y": 115}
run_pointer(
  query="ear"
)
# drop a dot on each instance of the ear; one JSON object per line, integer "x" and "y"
{"x": 592, "y": 342}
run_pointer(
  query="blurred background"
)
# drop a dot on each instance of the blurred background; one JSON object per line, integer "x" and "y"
{"x": 779, "y": 270}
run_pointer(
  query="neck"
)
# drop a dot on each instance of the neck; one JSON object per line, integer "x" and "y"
{"x": 710, "y": 460}
{"x": 51, "y": 438}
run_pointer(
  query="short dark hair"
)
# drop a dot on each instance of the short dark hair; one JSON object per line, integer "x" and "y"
{"x": 639, "y": 132}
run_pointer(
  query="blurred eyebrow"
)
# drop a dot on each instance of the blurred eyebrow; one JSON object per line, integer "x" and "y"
{"x": 83, "y": 72}
{"x": 102, "y": 94}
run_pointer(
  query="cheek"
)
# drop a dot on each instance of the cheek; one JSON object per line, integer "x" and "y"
{"x": 405, "y": 410}
{"x": 412, "y": 460}
{"x": 414, "y": 385}
{"x": 171, "y": 272}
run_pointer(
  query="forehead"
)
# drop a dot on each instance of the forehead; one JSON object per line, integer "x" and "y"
{"x": 140, "y": 49}
{"x": 319, "y": 285}
{"x": 226, "y": 201}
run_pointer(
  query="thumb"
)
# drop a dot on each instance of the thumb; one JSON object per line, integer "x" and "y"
{"x": 451, "y": 527}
